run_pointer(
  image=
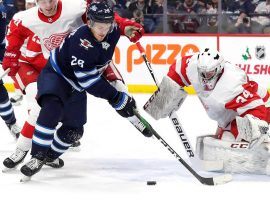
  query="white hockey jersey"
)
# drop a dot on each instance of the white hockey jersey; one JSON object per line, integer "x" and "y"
{"x": 50, "y": 30}
{"x": 234, "y": 94}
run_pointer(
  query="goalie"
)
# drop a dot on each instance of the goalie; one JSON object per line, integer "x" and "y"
{"x": 238, "y": 104}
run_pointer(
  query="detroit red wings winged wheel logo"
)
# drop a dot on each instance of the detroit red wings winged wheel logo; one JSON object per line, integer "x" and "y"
{"x": 54, "y": 40}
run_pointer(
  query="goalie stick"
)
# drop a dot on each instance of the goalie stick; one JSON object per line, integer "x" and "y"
{"x": 204, "y": 180}
{"x": 208, "y": 165}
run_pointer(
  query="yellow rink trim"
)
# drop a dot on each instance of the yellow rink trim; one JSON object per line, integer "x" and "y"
{"x": 152, "y": 88}
{"x": 131, "y": 88}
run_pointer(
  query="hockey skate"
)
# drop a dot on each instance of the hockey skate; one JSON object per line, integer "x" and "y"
{"x": 14, "y": 160}
{"x": 57, "y": 163}
{"x": 15, "y": 130}
{"x": 32, "y": 167}
{"x": 16, "y": 100}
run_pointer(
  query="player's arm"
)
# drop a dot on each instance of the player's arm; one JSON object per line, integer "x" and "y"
{"x": 170, "y": 95}
{"x": 95, "y": 84}
{"x": 248, "y": 102}
{"x": 251, "y": 122}
{"x": 16, "y": 36}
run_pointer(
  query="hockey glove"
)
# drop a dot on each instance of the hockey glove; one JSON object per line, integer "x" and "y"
{"x": 131, "y": 29}
{"x": 252, "y": 130}
{"x": 123, "y": 104}
{"x": 10, "y": 61}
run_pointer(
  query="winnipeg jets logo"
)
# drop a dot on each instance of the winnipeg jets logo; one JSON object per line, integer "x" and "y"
{"x": 105, "y": 45}
{"x": 85, "y": 43}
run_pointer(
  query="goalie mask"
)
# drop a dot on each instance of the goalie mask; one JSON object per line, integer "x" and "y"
{"x": 210, "y": 66}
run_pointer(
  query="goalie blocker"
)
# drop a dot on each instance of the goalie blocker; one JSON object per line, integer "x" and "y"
{"x": 168, "y": 98}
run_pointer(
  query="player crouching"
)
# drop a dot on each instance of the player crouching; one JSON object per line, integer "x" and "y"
{"x": 82, "y": 64}
{"x": 229, "y": 97}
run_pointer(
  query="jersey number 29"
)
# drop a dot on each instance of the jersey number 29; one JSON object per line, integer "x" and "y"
{"x": 76, "y": 61}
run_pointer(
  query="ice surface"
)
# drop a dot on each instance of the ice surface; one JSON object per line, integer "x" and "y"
{"x": 116, "y": 161}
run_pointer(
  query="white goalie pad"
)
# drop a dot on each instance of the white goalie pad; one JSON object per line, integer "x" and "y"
{"x": 252, "y": 130}
{"x": 167, "y": 99}
{"x": 237, "y": 157}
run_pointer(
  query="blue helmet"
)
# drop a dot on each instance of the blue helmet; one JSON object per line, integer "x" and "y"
{"x": 100, "y": 12}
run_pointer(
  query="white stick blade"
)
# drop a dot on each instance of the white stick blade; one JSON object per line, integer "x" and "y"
{"x": 218, "y": 180}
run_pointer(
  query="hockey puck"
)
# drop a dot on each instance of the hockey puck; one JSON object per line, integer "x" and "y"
{"x": 151, "y": 182}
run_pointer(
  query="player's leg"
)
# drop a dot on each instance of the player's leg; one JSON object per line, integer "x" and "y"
{"x": 26, "y": 79}
{"x": 52, "y": 92}
{"x": 25, "y": 140}
{"x": 74, "y": 118}
{"x": 7, "y": 112}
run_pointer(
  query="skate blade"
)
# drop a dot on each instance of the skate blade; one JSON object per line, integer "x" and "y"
{"x": 16, "y": 104}
{"x": 25, "y": 179}
{"x": 6, "y": 170}
{"x": 74, "y": 149}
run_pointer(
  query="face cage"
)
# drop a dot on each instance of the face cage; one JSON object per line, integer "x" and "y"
{"x": 208, "y": 80}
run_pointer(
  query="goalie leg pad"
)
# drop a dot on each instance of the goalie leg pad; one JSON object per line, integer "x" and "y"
{"x": 237, "y": 157}
{"x": 167, "y": 99}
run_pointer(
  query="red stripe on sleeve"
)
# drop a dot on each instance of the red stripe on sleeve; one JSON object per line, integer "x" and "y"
{"x": 174, "y": 76}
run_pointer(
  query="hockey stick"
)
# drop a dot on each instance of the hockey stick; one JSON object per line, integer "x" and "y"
{"x": 4, "y": 74}
{"x": 209, "y": 165}
{"x": 204, "y": 180}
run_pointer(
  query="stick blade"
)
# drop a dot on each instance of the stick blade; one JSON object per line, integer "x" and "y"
{"x": 218, "y": 180}
{"x": 225, "y": 178}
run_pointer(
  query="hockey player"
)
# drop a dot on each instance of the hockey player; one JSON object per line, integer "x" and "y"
{"x": 74, "y": 68}
{"x": 18, "y": 97}
{"x": 54, "y": 20}
{"x": 6, "y": 109}
{"x": 229, "y": 97}
{"x": 30, "y": 63}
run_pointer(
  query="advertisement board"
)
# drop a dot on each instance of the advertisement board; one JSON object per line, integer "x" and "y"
{"x": 249, "y": 52}
{"x": 161, "y": 51}
{"x": 252, "y": 54}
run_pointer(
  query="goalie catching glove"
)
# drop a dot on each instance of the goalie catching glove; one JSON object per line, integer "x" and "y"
{"x": 168, "y": 98}
{"x": 252, "y": 130}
